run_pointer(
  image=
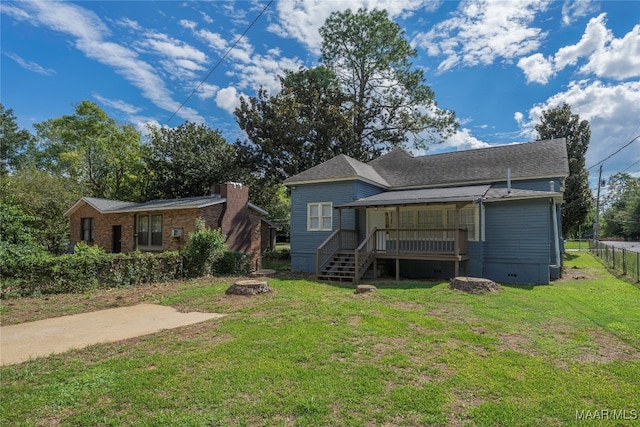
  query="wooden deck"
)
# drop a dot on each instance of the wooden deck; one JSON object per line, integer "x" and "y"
{"x": 338, "y": 252}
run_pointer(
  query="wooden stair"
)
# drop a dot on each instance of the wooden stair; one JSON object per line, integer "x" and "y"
{"x": 342, "y": 266}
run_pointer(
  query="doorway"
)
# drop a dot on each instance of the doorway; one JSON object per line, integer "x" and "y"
{"x": 116, "y": 232}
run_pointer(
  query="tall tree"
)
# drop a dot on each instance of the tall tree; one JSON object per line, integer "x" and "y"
{"x": 560, "y": 122}
{"x": 303, "y": 125}
{"x": 102, "y": 156}
{"x": 621, "y": 217}
{"x": 185, "y": 161}
{"x": 45, "y": 198}
{"x": 13, "y": 140}
{"x": 389, "y": 102}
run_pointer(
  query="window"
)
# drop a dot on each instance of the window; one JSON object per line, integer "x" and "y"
{"x": 86, "y": 232}
{"x": 319, "y": 217}
{"x": 150, "y": 231}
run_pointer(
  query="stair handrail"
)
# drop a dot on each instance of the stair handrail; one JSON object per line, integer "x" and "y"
{"x": 340, "y": 239}
{"x": 333, "y": 237}
{"x": 369, "y": 254}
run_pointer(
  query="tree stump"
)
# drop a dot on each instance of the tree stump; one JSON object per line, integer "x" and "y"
{"x": 248, "y": 288}
{"x": 473, "y": 285}
{"x": 363, "y": 289}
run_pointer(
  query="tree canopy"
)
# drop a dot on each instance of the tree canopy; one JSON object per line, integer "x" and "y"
{"x": 363, "y": 99}
{"x": 185, "y": 161}
{"x": 101, "y": 155}
{"x": 560, "y": 122}
{"x": 303, "y": 125}
{"x": 389, "y": 103}
{"x": 13, "y": 140}
{"x": 621, "y": 217}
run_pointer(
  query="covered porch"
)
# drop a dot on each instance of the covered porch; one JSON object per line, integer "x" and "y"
{"x": 341, "y": 258}
{"x": 403, "y": 225}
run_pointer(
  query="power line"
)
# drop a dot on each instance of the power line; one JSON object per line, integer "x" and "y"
{"x": 614, "y": 153}
{"x": 630, "y": 166}
{"x": 219, "y": 62}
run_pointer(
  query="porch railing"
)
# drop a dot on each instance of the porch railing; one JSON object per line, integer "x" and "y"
{"x": 439, "y": 241}
{"x": 339, "y": 240}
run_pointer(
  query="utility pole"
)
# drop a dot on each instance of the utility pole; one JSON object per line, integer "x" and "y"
{"x": 596, "y": 231}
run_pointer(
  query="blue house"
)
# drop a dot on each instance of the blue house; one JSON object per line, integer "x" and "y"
{"x": 490, "y": 212}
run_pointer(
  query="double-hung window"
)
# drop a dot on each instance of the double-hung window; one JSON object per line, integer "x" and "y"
{"x": 320, "y": 216}
{"x": 150, "y": 231}
{"x": 87, "y": 229}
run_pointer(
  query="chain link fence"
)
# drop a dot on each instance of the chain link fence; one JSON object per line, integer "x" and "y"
{"x": 619, "y": 259}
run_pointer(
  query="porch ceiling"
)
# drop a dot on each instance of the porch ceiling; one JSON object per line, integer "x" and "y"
{"x": 466, "y": 194}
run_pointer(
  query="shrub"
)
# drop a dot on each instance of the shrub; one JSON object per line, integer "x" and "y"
{"x": 87, "y": 268}
{"x": 205, "y": 246}
{"x": 233, "y": 263}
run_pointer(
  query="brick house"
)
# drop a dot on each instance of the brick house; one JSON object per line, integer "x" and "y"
{"x": 164, "y": 225}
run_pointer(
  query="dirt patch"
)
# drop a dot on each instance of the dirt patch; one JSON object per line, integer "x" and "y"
{"x": 602, "y": 348}
{"x": 29, "y": 309}
{"x": 575, "y": 273}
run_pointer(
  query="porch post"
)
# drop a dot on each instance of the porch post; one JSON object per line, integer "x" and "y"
{"x": 339, "y": 229}
{"x": 397, "y": 243}
{"x": 457, "y": 241}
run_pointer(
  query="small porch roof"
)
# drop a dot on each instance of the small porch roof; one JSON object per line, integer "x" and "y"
{"x": 467, "y": 194}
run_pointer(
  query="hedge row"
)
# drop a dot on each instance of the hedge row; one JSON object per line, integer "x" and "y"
{"x": 49, "y": 274}
{"x": 42, "y": 273}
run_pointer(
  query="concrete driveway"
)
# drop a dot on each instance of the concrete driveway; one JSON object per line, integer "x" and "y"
{"x": 19, "y": 343}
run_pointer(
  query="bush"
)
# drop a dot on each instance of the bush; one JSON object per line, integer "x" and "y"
{"x": 233, "y": 264}
{"x": 205, "y": 247}
{"x": 284, "y": 254}
{"x": 87, "y": 268}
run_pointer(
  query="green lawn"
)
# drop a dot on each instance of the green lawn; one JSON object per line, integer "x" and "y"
{"x": 314, "y": 354}
{"x": 582, "y": 245}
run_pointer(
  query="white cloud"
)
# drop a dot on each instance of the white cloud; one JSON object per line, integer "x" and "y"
{"x": 30, "y": 65}
{"x": 573, "y": 9}
{"x": 536, "y": 68}
{"x": 169, "y": 47}
{"x": 228, "y": 99}
{"x": 606, "y": 56}
{"x": 90, "y": 34}
{"x": 461, "y": 140}
{"x": 185, "y": 23}
{"x": 611, "y": 109}
{"x": 207, "y": 91}
{"x": 301, "y": 19}
{"x": 483, "y": 31}
{"x": 117, "y": 104}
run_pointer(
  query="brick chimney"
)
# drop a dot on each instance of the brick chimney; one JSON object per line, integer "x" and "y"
{"x": 236, "y": 221}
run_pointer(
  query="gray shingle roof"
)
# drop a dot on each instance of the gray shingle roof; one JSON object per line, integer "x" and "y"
{"x": 339, "y": 168}
{"x": 116, "y": 206}
{"x": 426, "y": 195}
{"x": 398, "y": 169}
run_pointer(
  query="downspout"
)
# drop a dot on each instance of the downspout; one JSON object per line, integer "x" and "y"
{"x": 481, "y": 239}
{"x": 556, "y": 237}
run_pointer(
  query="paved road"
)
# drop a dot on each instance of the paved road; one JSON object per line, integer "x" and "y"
{"x": 628, "y": 246}
{"x": 19, "y": 343}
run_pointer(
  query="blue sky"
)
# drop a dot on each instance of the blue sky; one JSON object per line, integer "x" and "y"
{"x": 497, "y": 64}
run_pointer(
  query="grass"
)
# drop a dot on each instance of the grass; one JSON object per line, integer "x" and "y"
{"x": 411, "y": 353}
{"x": 581, "y": 245}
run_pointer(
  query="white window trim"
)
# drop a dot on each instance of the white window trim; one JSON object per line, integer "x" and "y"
{"x": 320, "y": 221}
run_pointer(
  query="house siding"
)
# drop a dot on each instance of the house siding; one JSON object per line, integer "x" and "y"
{"x": 304, "y": 243}
{"x": 516, "y": 249}
{"x": 532, "y": 184}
